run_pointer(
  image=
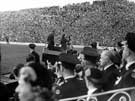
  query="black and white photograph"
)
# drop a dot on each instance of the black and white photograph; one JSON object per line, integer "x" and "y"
{"x": 67, "y": 50}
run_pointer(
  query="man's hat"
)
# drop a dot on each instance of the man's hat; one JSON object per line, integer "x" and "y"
{"x": 68, "y": 58}
{"x": 90, "y": 52}
{"x": 130, "y": 38}
{"x": 32, "y": 46}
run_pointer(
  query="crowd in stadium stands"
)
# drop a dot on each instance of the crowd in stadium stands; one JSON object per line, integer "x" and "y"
{"x": 106, "y": 21}
{"x": 74, "y": 73}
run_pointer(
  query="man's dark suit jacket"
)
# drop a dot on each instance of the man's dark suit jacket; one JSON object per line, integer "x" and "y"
{"x": 128, "y": 78}
{"x": 110, "y": 76}
{"x": 50, "y": 41}
{"x": 36, "y": 56}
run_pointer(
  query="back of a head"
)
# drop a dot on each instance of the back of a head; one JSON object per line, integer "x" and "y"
{"x": 44, "y": 78}
{"x": 17, "y": 69}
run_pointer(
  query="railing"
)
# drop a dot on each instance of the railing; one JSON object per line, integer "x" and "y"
{"x": 124, "y": 94}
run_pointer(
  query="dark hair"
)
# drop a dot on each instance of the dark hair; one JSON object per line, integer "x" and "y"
{"x": 44, "y": 78}
{"x": 17, "y": 69}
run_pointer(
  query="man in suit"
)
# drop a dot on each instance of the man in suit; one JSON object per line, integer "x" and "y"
{"x": 128, "y": 78}
{"x": 108, "y": 62}
{"x": 33, "y": 55}
{"x": 63, "y": 42}
{"x": 50, "y": 41}
{"x": 71, "y": 87}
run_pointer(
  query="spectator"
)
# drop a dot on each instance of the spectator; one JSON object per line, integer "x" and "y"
{"x": 7, "y": 38}
{"x": 35, "y": 83}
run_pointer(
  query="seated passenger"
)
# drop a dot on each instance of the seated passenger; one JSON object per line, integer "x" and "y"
{"x": 108, "y": 62}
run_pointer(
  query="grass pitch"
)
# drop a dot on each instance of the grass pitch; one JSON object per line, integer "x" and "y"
{"x": 15, "y": 53}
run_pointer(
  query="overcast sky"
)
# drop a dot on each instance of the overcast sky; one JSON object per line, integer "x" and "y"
{"x": 10, "y": 5}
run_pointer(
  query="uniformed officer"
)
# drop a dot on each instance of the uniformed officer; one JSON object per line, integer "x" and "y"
{"x": 91, "y": 70}
{"x": 91, "y": 57}
{"x": 71, "y": 87}
{"x": 33, "y": 55}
